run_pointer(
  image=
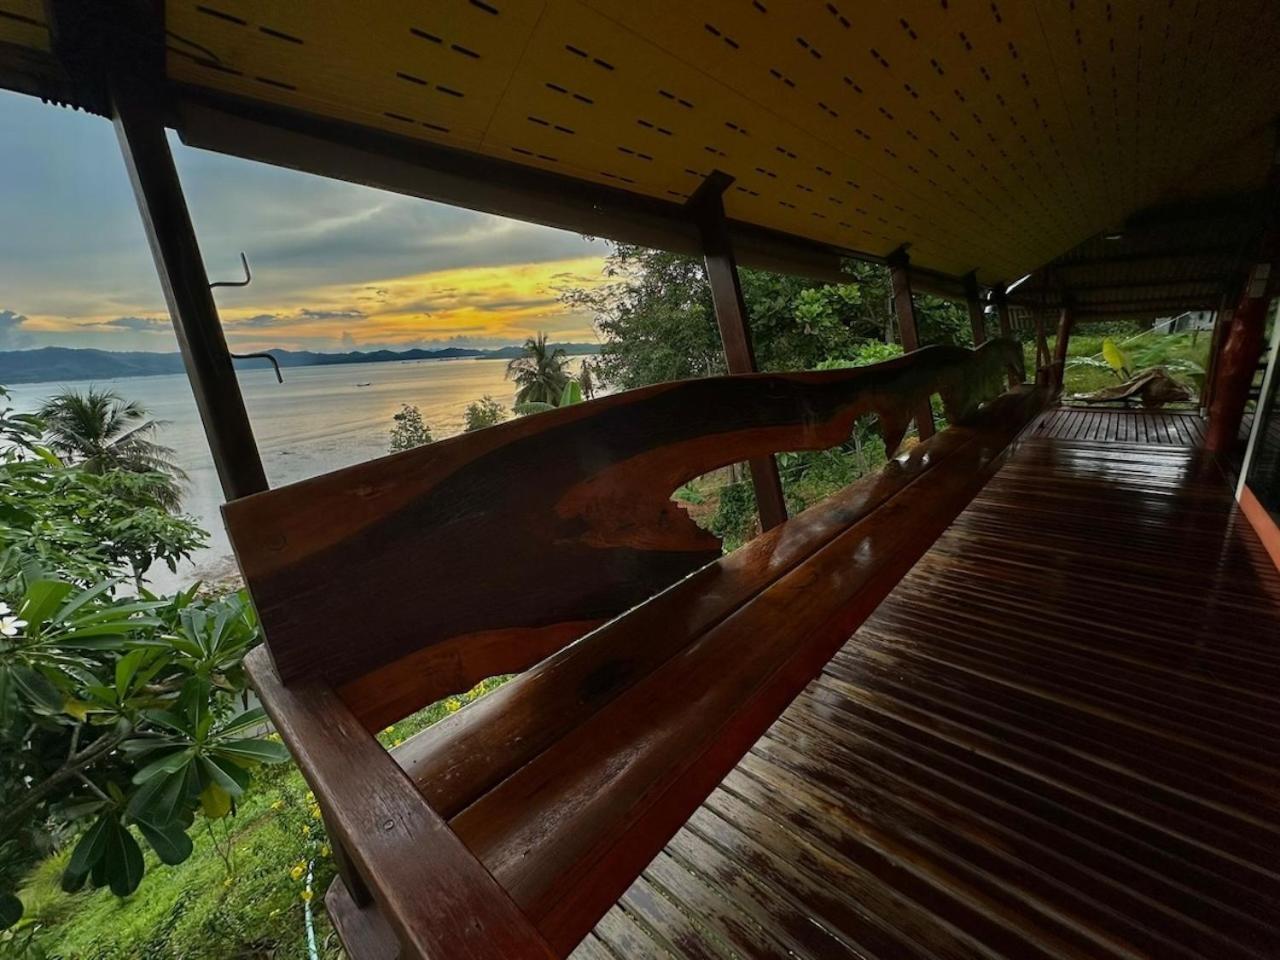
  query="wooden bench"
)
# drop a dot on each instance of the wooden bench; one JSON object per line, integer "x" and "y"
{"x": 509, "y": 828}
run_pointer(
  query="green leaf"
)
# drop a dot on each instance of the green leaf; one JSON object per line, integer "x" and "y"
{"x": 166, "y": 764}
{"x": 123, "y": 861}
{"x": 572, "y": 394}
{"x": 91, "y": 847}
{"x": 161, "y": 800}
{"x": 42, "y": 599}
{"x": 216, "y": 775}
{"x": 44, "y": 697}
{"x": 215, "y": 802}
{"x": 83, "y": 597}
{"x": 10, "y": 910}
{"x": 255, "y": 751}
{"x": 172, "y": 845}
{"x": 126, "y": 667}
{"x": 248, "y": 719}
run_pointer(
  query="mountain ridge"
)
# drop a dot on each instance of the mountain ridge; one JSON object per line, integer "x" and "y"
{"x": 44, "y": 364}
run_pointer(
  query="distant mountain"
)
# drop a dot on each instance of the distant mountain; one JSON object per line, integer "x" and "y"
{"x": 66, "y": 363}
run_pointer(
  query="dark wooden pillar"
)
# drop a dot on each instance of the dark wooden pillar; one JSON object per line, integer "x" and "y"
{"x": 904, "y": 309}
{"x": 999, "y": 297}
{"x": 1044, "y": 373}
{"x": 977, "y": 313}
{"x": 707, "y": 206}
{"x": 1240, "y": 348}
{"x": 1066, "y": 321}
{"x": 172, "y": 239}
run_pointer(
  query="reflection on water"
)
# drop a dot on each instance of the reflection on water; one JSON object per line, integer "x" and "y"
{"x": 318, "y": 420}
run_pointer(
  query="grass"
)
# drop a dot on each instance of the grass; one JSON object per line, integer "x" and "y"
{"x": 239, "y": 895}
{"x": 1184, "y": 355}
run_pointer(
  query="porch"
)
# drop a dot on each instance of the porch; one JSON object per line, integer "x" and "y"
{"x": 1055, "y": 738}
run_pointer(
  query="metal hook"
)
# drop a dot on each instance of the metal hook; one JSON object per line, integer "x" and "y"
{"x": 260, "y": 356}
{"x": 248, "y": 277}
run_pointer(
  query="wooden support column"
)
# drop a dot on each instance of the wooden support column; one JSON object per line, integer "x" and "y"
{"x": 1066, "y": 320}
{"x": 999, "y": 297}
{"x": 904, "y": 309}
{"x": 707, "y": 207}
{"x": 172, "y": 239}
{"x": 1044, "y": 374}
{"x": 1241, "y": 344}
{"x": 977, "y": 312}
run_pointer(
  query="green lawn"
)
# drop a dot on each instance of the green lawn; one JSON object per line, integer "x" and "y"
{"x": 240, "y": 895}
{"x": 1184, "y": 355}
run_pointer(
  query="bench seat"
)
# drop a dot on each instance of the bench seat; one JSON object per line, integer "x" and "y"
{"x": 566, "y": 781}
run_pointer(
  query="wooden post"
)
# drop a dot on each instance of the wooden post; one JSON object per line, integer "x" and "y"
{"x": 707, "y": 206}
{"x": 977, "y": 313}
{"x": 1066, "y": 320}
{"x": 1042, "y": 350}
{"x": 999, "y": 297}
{"x": 172, "y": 239}
{"x": 905, "y": 309}
{"x": 1242, "y": 342}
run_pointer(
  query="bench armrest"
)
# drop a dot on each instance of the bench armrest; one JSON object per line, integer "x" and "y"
{"x": 440, "y": 900}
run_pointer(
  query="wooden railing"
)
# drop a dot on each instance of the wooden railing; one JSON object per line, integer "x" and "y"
{"x": 508, "y": 829}
{"x": 482, "y": 554}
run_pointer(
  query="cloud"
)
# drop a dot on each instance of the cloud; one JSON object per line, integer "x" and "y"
{"x": 138, "y": 324}
{"x": 348, "y": 341}
{"x": 308, "y": 314}
{"x": 12, "y": 336}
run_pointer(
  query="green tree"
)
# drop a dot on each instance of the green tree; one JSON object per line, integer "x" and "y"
{"x": 99, "y": 430}
{"x": 409, "y": 430}
{"x": 122, "y": 714}
{"x": 485, "y": 412}
{"x": 539, "y": 372}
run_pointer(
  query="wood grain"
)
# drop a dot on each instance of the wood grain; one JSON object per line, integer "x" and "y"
{"x": 577, "y": 812}
{"x": 553, "y": 520}
{"x": 439, "y": 901}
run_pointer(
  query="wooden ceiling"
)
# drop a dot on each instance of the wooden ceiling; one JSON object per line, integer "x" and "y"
{"x": 985, "y": 135}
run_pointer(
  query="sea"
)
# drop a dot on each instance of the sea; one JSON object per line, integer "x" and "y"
{"x": 320, "y": 419}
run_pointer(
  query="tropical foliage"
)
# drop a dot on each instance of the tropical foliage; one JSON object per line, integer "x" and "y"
{"x": 409, "y": 430}
{"x": 485, "y": 412}
{"x": 540, "y": 372}
{"x": 99, "y": 431}
{"x": 121, "y": 712}
{"x": 656, "y": 322}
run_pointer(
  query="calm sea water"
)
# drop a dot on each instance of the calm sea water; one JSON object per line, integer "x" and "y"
{"x": 318, "y": 420}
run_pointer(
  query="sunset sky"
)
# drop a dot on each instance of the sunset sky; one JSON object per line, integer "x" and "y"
{"x": 336, "y": 266}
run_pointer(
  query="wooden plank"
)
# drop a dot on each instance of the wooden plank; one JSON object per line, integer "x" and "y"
{"x": 1006, "y": 758}
{"x": 597, "y": 534}
{"x": 600, "y": 801}
{"x": 439, "y": 901}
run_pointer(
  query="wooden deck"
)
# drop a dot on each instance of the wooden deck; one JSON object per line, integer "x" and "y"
{"x": 1111, "y": 425}
{"x": 1056, "y": 738}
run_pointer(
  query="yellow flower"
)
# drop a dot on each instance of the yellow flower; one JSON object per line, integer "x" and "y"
{"x": 387, "y": 731}
{"x": 278, "y": 805}
{"x": 306, "y": 830}
{"x": 453, "y": 704}
{"x": 311, "y": 797}
{"x": 315, "y": 811}
{"x": 396, "y": 743}
{"x": 306, "y": 896}
{"x": 227, "y": 882}
{"x": 298, "y": 871}
{"x": 324, "y": 851}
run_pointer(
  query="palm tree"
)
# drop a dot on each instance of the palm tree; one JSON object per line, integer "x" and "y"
{"x": 99, "y": 430}
{"x": 539, "y": 372}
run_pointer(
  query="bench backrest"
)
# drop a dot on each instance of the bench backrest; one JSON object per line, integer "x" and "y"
{"x": 417, "y": 575}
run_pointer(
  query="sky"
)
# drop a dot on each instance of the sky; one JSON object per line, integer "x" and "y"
{"x": 335, "y": 266}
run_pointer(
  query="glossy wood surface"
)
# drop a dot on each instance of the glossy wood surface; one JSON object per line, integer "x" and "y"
{"x": 481, "y": 554}
{"x": 435, "y": 898}
{"x": 1110, "y": 425}
{"x": 1056, "y": 738}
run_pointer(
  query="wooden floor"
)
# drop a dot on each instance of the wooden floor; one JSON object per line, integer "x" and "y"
{"x": 1112, "y": 425}
{"x": 1057, "y": 738}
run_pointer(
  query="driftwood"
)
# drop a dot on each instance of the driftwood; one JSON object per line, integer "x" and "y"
{"x": 1153, "y": 388}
